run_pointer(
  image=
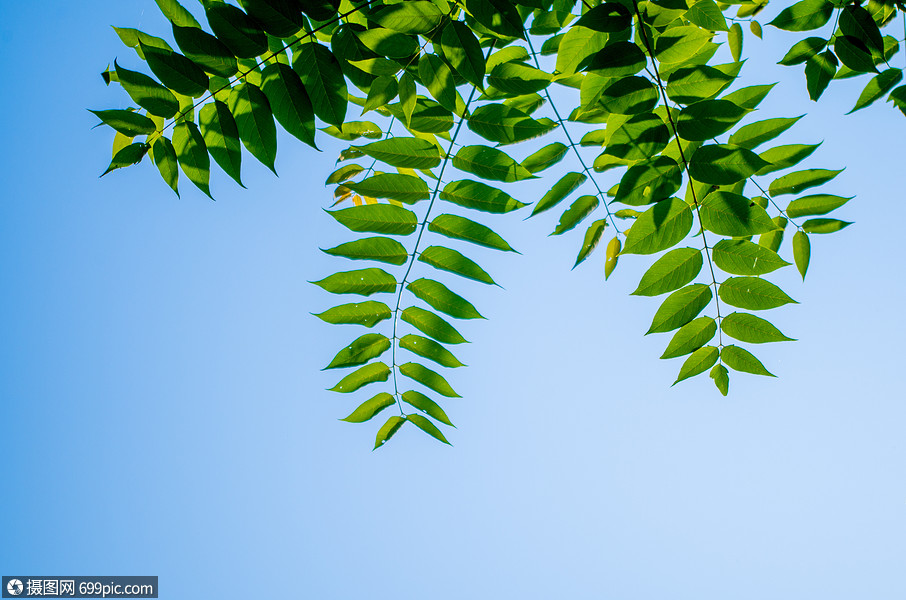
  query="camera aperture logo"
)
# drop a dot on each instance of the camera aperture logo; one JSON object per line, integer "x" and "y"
{"x": 14, "y": 587}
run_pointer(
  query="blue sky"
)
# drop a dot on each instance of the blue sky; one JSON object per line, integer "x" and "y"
{"x": 165, "y": 413}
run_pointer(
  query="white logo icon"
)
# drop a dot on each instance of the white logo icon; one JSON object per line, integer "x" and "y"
{"x": 14, "y": 587}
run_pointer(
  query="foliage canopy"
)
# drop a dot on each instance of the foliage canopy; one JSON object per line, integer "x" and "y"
{"x": 450, "y": 93}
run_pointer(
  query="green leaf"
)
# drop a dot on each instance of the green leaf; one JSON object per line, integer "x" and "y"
{"x": 406, "y": 152}
{"x": 381, "y": 249}
{"x": 432, "y": 325}
{"x": 749, "y": 97}
{"x": 819, "y": 70}
{"x": 382, "y": 91}
{"x": 147, "y": 93}
{"x": 360, "y": 351}
{"x": 517, "y": 78}
{"x": 391, "y": 44}
{"x": 803, "y": 50}
{"x": 877, "y": 87}
{"x": 405, "y": 188}
{"x": 362, "y": 281}
{"x": 429, "y": 349}
{"x": 428, "y": 427}
{"x": 164, "y": 156}
{"x": 733, "y": 215}
{"x": 255, "y": 121}
{"x": 371, "y": 373}
{"x": 612, "y": 256}
{"x": 490, "y": 163}
{"x": 369, "y": 408}
{"x": 353, "y": 130}
{"x": 460, "y": 228}
{"x": 500, "y": 16}
{"x": 773, "y": 239}
{"x": 609, "y": 17}
{"x": 128, "y": 156}
{"x": 751, "y": 329}
{"x": 506, "y": 124}
{"x": 752, "y": 293}
{"x": 437, "y": 77}
{"x": 724, "y": 164}
{"x": 801, "y": 252}
{"x": 799, "y": 181}
{"x": 784, "y": 157}
{"x": 133, "y": 38}
{"x": 680, "y": 308}
{"x": 560, "y": 190}
{"x": 670, "y": 272}
{"x": 804, "y": 15}
{"x": 323, "y": 80}
{"x": 577, "y": 45}
{"x": 289, "y": 101}
{"x": 679, "y": 44}
{"x": 280, "y": 18}
{"x": 546, "y": 157}
{"x": 663, "y": 225}
{"x": 221, "y": 136}
{"x": 239, "y": 32}
{"x": 650, "y": 182}
{"x": 377, "y": 218}
{"x": 690, "y": 337}
{"x": 479, "y": 196}
{"x": 641, "y": 137}
{"x": 857, "y": 22}
{"x": 205, "y": 50}
{"x": 450, "y": 260}
{"x": 708, "y": 119}
{"x": 461, "y": 49}
{"x": 592, "y": 238}
{"x": 752, "y": 135}
{"x": 721, "y": 378}
{"x": 192, "y": 154}
{"x": 700, "y": 361}
{"x": 576, "y": 213}
{"x": 627, "y": 96}
{"x": 368, "y": 313}
{"x": 818, "y": 204}
{"x": 390, "y": 427}
{"x": 428, "y": 378}
{"x": 854, "y": 54}
{"x": 734, "y": 38}
{"x": 416, "y": 16}
{"x": 439, "y": 297}
{"x": 824, "y": 225}
{"x": 742, "y": 360}
{"x": 127, "y": 122}
{"x": 175, "y": 13}
{"x": 408, "y": 98}
{"x": 706, "y": 14}
{"x": 176, "y": 71}
{"x": 700, "y": 82}
{"x": 617, "y": 59}
{"x": 427, "y": 406}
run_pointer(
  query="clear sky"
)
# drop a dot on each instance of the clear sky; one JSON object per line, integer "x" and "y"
{"x": 164, "y": 412}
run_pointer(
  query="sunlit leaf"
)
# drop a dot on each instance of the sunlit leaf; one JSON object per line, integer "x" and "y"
{"x": 749, "y": 328}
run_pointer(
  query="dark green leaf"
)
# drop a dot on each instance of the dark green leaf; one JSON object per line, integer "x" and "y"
{"x": 362, "y": 281}
{"x": 323, "y": 80}
{"x": 176, "y": 71}
{"x": 128, "y": 156}
{"x": 164, "y": 156}
{"x": 192, "y": 154}
{"x": 377, "y": 218}
{"x": 205, "y": 50}
{"x": 239, "y": 32}
{"x": 439, "y": 297}
{"x": 479, "y": 196}
{"x": 650, "y": 182}
{"x": 147, "y": 93}
{"x": 724, "y": 164}
{"x": 877, "y": 87}
{"x": 609, "y": 17}
{"x": 708, "y": 119}
{"x": 289, "y": 101}
{"x": 416, "y": 16}
{"x": 430, "y": 324}
{"x": 437, "y": 77}
{"x": 490, "y": 163}
{"x": 461, "y": 49}
{"x": 752, "y": 293}
{"x": 360, "y": 351}
{"x": 804, "y": 15}
{"x": 429, "y": 349}
{"x": 733, "y": 215}
{"x": 381, "y": 249}
{"x": 500, "y": 16}
{"x": 370, "y": 408}
{"x": 460, "y": 228}
{"x": 221, "y": 136}
{"x": 660, "y": 227}
{"x": 255, "y": 122}
{"x": 506, "y": 124}
{"x": 819, "y": 70}
{"x": 749, "y": 328}
{"x": 670, "y": 272}
{"x": 428, "y": 378}
{"x": 127, "y": 122}
{"x": 368, "y": 313}
{"x": 450, "y": 260}
{"x": 742, "y": 360}
{"x": 372, "y": 373}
